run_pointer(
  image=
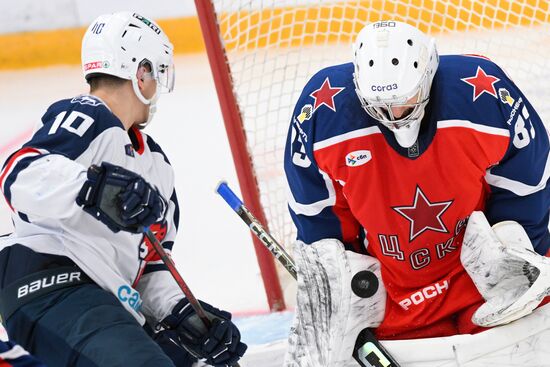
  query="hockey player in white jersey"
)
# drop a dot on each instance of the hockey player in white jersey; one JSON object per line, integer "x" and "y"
{"x": 78, "y": 279}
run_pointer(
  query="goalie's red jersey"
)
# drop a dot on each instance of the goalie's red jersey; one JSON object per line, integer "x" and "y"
{"x": 482, "y": 146}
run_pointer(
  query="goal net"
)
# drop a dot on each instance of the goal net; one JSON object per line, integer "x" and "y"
{"x": 270, "y": 48}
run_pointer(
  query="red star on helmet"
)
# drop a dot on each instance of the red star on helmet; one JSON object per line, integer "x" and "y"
{"x": 482, "y": 83}
{"x": 424, "y": 215}
{"x": 325, "y": 95}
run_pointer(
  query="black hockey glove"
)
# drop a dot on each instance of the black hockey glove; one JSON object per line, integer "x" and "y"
{"x": 120, "y": 198}
{"x": 220, "y": 345}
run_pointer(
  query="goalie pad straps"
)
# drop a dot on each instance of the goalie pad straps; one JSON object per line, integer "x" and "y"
{"x": 510, "y": 276}
{"x": 329, "y": 315}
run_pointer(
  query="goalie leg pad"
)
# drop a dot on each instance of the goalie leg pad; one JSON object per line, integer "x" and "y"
{"x": 329, "y": 313}
{"x": 510, "y": 276}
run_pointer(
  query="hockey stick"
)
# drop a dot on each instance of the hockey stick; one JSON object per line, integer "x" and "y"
{"x": 367, "y": 351}
{"x": 167, "y": 260}
{"x": 256, "y": 227}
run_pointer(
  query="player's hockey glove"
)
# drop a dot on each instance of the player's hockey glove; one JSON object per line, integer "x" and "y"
{"x": 120, "y": 198}
{"x": 220, "y": 345}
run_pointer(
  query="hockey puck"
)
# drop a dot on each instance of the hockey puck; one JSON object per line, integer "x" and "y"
{"x": 364, "y": 284}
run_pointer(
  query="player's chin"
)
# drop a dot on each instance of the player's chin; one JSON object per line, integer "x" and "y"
{"x": 144, "y": 116}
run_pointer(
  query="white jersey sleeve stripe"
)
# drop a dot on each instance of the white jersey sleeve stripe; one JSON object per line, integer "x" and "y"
{"x": 347, "y": 136}
{"x": 21, "y": 154}
{"x": 315, "y": 208}
{"x": 14, "y": 353}
{"x": 470, "y": 125}
{"x": 519, "y": 188}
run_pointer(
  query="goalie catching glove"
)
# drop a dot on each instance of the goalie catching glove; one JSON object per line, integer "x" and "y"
{"x": 339, "y": 294}
{"x": 220, "y": 345}
{"x": 511, "y": 277}
{"x": 120, "y": 198}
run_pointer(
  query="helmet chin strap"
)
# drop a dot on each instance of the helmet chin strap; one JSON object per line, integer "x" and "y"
{"x": 151, "y": 102}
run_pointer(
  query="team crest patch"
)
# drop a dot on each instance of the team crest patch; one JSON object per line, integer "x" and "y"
{"x": 129, "y": 149}
{"x": 482, "y": 83}
{"x": 325, "y": 95}
{"x": 505, "y": 97}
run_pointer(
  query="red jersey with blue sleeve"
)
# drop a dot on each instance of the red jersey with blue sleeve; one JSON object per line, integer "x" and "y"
{"x": 41, "y": 181}
{"x": 481, "y": 146}
{"x": 12, "y": 355}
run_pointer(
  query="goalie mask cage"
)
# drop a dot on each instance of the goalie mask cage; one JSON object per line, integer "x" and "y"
{"x": 262, "y": 52}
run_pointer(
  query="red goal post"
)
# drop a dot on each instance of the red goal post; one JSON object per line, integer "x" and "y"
{"x": 262, "y": 52}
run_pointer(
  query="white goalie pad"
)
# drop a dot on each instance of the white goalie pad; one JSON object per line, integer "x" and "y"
{"x": 329, "y": 313}
{"x": 510, "y": 276}
{"x": 522, "y": 343}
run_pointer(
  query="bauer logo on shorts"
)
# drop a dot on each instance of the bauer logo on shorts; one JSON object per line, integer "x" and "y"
{"x": 358, "y": 158}
{"x": 49, "y": 281}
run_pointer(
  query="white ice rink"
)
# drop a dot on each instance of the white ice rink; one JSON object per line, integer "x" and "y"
{"x": 213, "y": 251}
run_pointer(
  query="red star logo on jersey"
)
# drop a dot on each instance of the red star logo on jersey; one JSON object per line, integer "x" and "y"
{"x": 482, "y": 83}
{"x": 325, "y": 95}
{"x": 423, "y": 214}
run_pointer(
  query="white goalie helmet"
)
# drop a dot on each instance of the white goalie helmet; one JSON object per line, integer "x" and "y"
{"x": 395, "y": 64}
{"x": 118, "y": 44}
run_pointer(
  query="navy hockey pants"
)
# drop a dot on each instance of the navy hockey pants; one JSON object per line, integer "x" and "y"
{"x": 85, "y": 326}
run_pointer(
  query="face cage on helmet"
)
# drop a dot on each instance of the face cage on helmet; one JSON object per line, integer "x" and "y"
{"x": 381, "y": 111}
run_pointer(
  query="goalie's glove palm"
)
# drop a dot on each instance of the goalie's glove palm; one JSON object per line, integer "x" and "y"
{"x": 510, "y": 276}
{"x": 220, "y": 345}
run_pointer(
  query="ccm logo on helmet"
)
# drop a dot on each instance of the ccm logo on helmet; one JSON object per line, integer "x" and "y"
{"x": 382, "y": 88}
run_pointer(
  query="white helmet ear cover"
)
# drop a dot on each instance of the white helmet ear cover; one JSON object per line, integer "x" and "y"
{"x": 510, "y": 276}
